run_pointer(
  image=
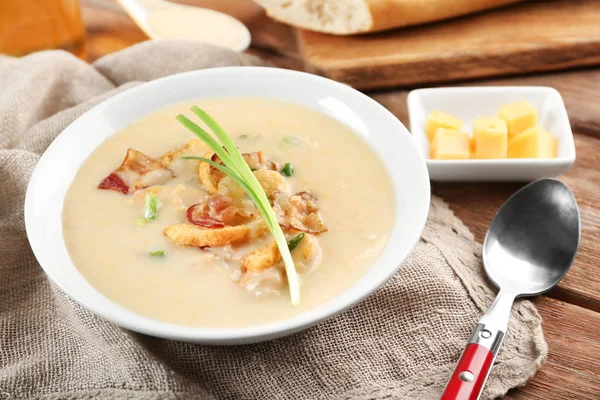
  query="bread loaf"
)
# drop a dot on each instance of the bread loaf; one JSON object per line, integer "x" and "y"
{"x": 345, "y": 17}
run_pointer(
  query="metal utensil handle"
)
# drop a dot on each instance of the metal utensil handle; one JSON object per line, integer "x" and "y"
{"x": 475, "y": 363}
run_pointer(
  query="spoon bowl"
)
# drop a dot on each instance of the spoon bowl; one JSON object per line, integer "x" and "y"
{"x": 533, "y": 239}
{"x": 529, "y": 247}
{"x": 161, "y": 19}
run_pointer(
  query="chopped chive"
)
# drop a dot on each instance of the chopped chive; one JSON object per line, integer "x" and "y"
{"x": 140, "y": 221}
{"x": 290, "y": 140}
{"x": 288, "y": 169}
{"x": 244, "y": 136}
{"x": 236, "y": 167}
{"x": 152, "y": 206}
{"x": 292, "y": 244}
{"x": 254, "y": 169}
{"x": 157, "y": 253}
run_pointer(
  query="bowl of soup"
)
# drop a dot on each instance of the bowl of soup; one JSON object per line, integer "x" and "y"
{"x": 127, "y": 220}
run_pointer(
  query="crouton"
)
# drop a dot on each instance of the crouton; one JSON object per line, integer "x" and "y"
{"x": 193, "y": 146}
{"x": 272, "y": 182}
{"x": 191, "y": 235}
{"x": 261, "y": 259}
{"x": 210, "y": 177}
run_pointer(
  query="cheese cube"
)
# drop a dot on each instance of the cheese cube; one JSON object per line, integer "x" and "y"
{"x": 491, "y": 137}
{"x": 472, "y": 147}
{"x": 450, "y": 145}
{"x": 439, "y": 119}
{"x": 519, "y": 117}
{"x": 535, "y": 142}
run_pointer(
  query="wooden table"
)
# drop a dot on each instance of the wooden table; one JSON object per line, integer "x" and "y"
{"x": 571, "y": 311}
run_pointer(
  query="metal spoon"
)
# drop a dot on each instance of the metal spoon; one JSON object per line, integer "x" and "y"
{"x": 161, "y": 19}
{"x": 529, "y": 247}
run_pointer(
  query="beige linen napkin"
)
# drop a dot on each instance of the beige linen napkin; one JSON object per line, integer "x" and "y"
{"x": 401, "y": 343}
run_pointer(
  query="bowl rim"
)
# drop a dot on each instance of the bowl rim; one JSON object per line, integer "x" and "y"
{"x": 115, "y": 313}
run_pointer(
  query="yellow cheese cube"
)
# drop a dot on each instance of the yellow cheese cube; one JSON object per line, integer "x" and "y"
{"x": 439, "y": 119}
{"x": 519, "y": 117}
{"x": 535, "y": 142}
{"x": 491, "y": 137}
{"x": 449, "y": 145}
{"x": 472, "y": 147}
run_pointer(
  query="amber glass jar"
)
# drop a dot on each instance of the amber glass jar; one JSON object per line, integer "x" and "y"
{"x": 32, "y": 25}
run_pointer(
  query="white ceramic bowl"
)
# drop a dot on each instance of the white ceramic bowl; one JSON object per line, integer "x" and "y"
{"x": 368, "y": 119}
{"x": 467, "y": 103}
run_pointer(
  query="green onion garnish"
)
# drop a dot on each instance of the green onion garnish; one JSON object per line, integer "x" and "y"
{"x": 236, "y": 167}
{"x": 157, "y": 253}
{"x": 292, "y": 244}
{"x": 140, "y": 221}
{"x": 244, "y": 136}
{"x": 151, "y": 207}
{"x": 290, "y": 140}
{"x": 288, "y": 169}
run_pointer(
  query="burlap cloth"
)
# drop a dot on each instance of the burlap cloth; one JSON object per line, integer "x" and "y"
{"x": 401, "y": 343}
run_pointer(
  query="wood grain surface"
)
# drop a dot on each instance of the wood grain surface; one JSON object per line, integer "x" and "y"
{"x": 571, "y": 370}
{"x": 476, "y": 203}
{"x": 570, "y": 312}
{"x": 536, "y": 36}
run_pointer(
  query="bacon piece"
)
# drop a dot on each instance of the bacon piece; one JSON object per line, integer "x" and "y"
{"x": 271, "y": 165}
{"x": 113, "y": 182}
{"x": 219, "y": 203}
{"x": 299, "y": 211}
{"x": 137, "y": 171}
{"x": 202, "y": 220}
{"x": 219, "y": 210}
{"x": 212, "y": 213}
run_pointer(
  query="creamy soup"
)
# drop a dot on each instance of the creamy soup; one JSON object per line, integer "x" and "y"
{"x": 197, "y": 24}
{"x": 204, "y": 257}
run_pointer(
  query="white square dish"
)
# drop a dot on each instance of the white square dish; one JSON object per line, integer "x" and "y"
{"x": 467, "y": 103}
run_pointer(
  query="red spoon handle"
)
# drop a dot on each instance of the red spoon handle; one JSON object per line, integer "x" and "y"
{"x": 470, "y": 374}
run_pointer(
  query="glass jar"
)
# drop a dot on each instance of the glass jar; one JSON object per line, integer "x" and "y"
{"x": 32, "y": 25}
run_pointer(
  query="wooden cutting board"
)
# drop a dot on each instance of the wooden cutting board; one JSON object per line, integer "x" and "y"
{"x": 535, "y": 36}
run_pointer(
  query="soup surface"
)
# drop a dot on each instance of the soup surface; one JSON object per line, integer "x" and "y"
{"x": 152, "y": 267}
